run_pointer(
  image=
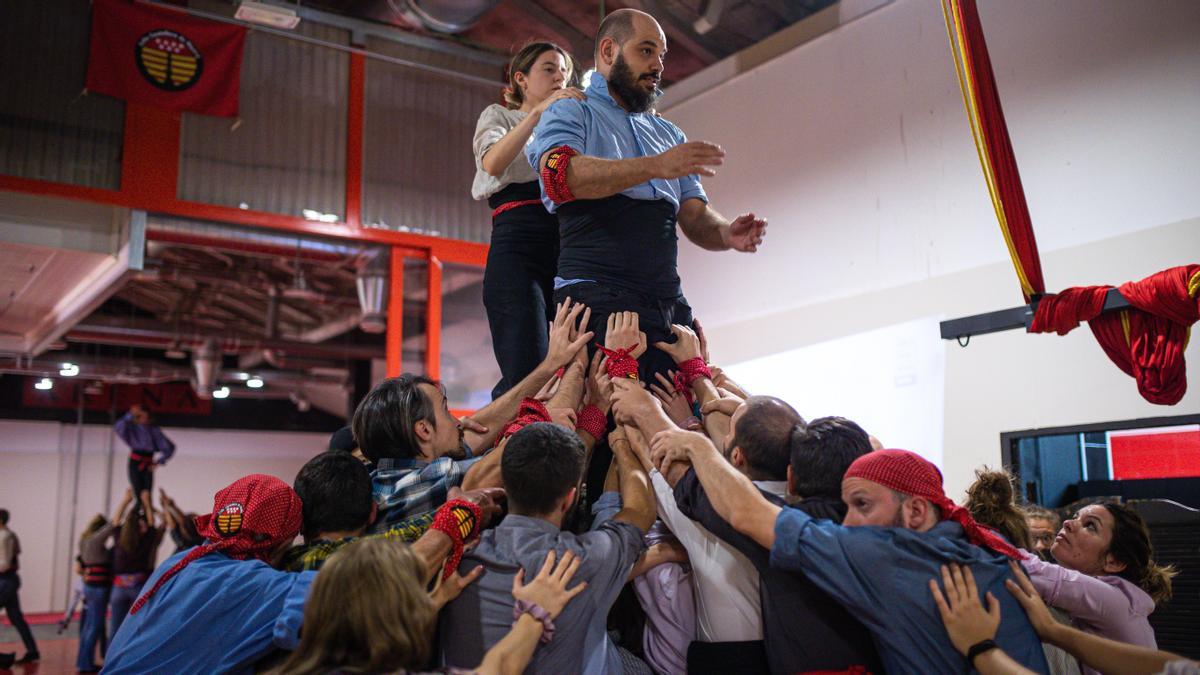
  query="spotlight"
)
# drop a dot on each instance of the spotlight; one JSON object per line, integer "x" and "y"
{"x": 223, "y": 392}
{"x": 69, "y": 370}
{"x": 44, "y": 384}
{"x": 254, "y": 382}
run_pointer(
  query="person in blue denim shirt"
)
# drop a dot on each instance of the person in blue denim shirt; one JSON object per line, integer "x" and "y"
{"x": 620, "y": 178}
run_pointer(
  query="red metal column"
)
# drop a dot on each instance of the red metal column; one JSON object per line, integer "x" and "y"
{"x": 354, "y": 139}
{"x": 395, "y": 314}
{"x": 433, "y": 320}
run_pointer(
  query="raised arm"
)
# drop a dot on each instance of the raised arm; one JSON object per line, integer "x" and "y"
{"x": 566, "y": 338}
{"x": 733, "y": 495}
{"x": 637, "y": 499}
{"x": 710, "y": 230}
{"x": 496, "y": 148}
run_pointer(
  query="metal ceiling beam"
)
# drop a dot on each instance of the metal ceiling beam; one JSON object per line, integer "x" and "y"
{"x": 581, "y": 43}
{"x": 677, "y": 30}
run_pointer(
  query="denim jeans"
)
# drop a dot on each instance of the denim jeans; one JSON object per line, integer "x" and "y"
{"x": 121, "y": 600}
{"x": 92, "y": 626}
{"x": 518, "y": 289}
{"x": 10, "y": 600}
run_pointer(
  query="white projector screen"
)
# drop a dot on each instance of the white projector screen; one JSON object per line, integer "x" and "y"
{"x": 891, "y": 381}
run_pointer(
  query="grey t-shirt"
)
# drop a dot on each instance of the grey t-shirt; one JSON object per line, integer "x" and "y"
{"x": 483, "y": 614}
{"x": 494, "y": 123}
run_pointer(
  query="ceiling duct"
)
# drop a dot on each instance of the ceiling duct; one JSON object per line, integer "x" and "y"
{"x": 207, "y": 362}
{"x": 372, "y": 284}
{"x": 443, "y": 16}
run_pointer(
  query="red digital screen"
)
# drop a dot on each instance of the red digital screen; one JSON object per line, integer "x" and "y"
{"x": 1170, "y": 452}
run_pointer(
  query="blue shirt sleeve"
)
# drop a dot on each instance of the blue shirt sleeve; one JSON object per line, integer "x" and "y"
{"x": 124, "y": 428}
{"x": 840, "y": 560}
{"x": 561, "y": 124}
{"x": 163, "y": 444}
{"x": 286, "y": 633}
{"x": 689, "y": 186}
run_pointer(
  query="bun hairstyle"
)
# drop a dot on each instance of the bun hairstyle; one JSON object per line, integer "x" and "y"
{"x": 1131, "y": 545}
{"x": 990, "y": 500}
{"x": 522, "y": 62}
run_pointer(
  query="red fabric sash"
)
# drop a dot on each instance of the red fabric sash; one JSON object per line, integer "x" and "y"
{"x": 1146, "y": 342}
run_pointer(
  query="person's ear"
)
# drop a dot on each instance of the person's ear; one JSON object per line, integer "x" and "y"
{"x": 608, "y": 51}
{"x": 424, "y": 430}
{"x": 519, "y": 81}
{"x": 737, "y": 458}
{"x": 920, "y": 511}
{"x": 568, "y": 501}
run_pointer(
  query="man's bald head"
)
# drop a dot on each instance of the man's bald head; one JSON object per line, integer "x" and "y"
{"x": 620, "y": 25}
{"x": 762, "y": 429}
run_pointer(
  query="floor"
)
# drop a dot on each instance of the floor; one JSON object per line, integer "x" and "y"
{"x": 58, "y": 651}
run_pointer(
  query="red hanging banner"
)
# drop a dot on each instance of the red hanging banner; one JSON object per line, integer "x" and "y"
{"x": 164, "y": 58}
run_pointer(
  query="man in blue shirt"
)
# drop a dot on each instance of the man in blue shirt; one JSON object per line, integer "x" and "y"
{"x": 218, "y": 607}
{"x": 620, "y": 178}
{"x": 899, "y": 530}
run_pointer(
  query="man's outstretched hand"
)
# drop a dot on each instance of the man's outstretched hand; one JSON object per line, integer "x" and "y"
{"x": 746, "y": 232}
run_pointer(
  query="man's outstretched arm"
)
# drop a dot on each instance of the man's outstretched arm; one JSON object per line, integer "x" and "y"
{"x": 590, "y": 177}
{"x": 708, "y": 229}
{"x": 733, "y": 495}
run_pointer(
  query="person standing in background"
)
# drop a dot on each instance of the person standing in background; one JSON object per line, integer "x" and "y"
{"x": 10, "y": 599}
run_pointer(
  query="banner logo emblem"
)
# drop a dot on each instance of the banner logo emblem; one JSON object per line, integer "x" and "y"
{"x": 168, "y": 60}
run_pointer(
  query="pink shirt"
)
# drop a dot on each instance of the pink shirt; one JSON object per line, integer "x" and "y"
{"x": 1108, "y": 606}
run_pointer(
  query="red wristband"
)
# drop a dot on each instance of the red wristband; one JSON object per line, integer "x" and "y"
{"x": 460, "y": 520}
{"x": 531, "y": 410}
{"x": 620, "y": 363}
{"x": 590, "y": 419}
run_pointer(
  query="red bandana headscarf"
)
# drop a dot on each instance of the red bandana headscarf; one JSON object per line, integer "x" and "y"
{"x": 249, "y": 520}
{"x": 912, "y": 474}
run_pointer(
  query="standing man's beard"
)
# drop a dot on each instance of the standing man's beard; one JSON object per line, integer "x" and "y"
{"x": 622, "y": 81}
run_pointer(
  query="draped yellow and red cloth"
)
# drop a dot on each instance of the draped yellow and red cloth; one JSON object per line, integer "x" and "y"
{"x": 978, "y": 86}
{"x": 1148, "y": 341}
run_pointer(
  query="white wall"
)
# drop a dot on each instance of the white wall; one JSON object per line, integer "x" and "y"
{"x": 857, "y": 149}
{"x": 37, "y": 485}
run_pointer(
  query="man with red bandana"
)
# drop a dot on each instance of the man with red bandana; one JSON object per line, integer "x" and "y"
{"x": 619, "y": 177}
{"x": 900, "y": 530}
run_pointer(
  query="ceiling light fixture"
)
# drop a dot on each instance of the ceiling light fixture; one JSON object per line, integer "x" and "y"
{"x": 45, "y": 384}
{"x": 267, "y": 15}
{"x": 69, "y": 370}
{"x": 223, "y": 392}
{"x": 255, "y": 382}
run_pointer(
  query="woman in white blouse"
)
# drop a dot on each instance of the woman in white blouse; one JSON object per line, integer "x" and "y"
{"x": 518, "y": 283}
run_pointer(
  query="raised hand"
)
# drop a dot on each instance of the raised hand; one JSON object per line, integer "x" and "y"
{"x": 453, "y": 586}
{"x": 558, "y": 95}
{"x": 674, "y": 403}
{"x": 966, "y": 621}
{"x": 631, "y": 401}
{"x": 685, "y": 347}
{"x": 746, "y": 232}
{"x": 1039, "y": 615}
{"x": 566, "y": 338}
{"x": 703, "y": 340}
{"x": 693, "y": 157}
{"x": 674, "y": 445}
{"x": 599, "y": 386}
{"x": 548, "y": 589}
{"x": 488, "y": 500}
{"x": 623, "y": 332}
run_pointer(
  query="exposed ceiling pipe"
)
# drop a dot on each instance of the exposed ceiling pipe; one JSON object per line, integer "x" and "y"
{"x": 271, "y": 329}
{"x": 443, "y": 16}
{"x": 269, "y": 244}
{"x": 147, "y": 371}
{"x": 207, "y": 362}
{"x": 97, "y": 333}
{"x": 182, "y": 275}
{"x": 372, "y": 284}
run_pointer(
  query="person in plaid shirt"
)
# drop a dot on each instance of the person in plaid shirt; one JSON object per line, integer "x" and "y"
{"x": 335, "y": 489}
{"x": 420, "y": 451}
